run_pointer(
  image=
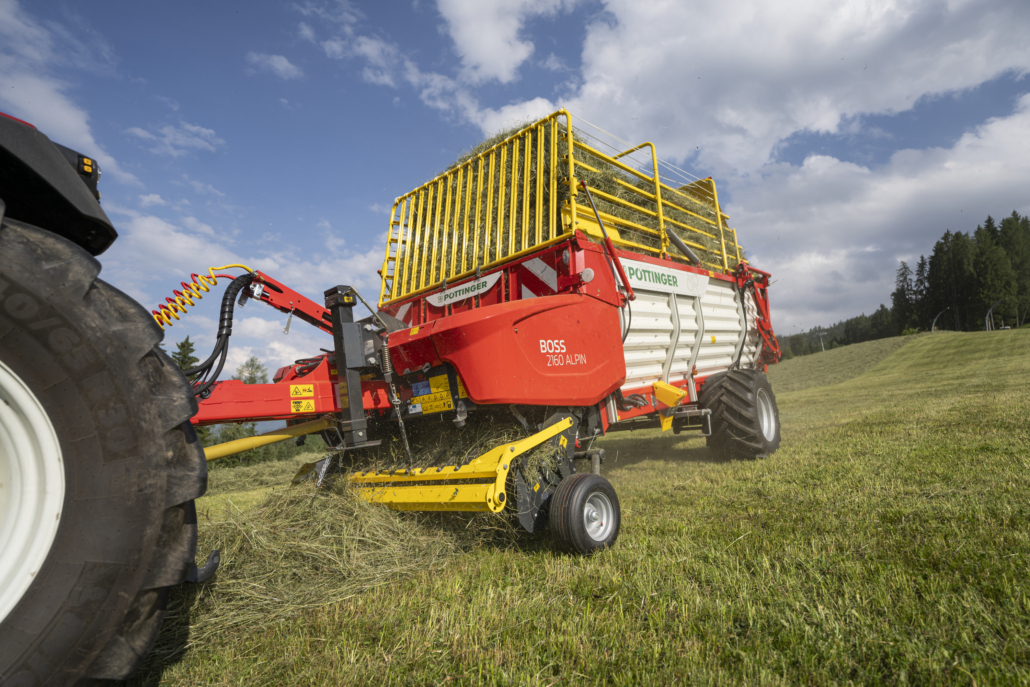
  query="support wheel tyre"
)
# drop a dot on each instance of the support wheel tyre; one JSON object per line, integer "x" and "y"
{"x": 584, "y": 514}
{"x": 745, "y": 418}
{"x": 99, "y": 467}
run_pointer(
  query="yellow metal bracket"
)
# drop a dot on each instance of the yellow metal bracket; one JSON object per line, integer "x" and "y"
{"x": 478, "y": 485}
{"x": 671, "y": 396}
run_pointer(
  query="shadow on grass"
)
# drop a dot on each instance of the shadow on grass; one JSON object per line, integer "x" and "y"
{"x": 171, "y": 645}
{"x": 630, "y": 448}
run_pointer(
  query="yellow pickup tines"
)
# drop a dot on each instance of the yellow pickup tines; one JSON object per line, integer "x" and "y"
{"x": 476, "y": 486}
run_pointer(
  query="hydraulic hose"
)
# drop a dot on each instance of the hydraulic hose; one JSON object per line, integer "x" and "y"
{"x": 221, "y": 349}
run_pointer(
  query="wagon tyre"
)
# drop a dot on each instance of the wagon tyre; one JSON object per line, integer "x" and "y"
{"x": 99, "y": 467}
{"x": 744, "y": 415}
{"x": 584, "y": 514}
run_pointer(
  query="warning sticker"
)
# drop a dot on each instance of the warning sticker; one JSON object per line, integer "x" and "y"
{"x": 433, "y": 385}
{"x": 433, "y": 403}
{"x": 431, "y": 396}
{"x": 301, "y": 390}
{"x": 303, "y": 406}
{"x": 461, "y": 389}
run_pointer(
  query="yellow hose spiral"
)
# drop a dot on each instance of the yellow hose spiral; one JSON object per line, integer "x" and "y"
{"x": 191, "y": 292}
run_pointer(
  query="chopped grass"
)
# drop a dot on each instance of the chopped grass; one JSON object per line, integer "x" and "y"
{"x": 887, "y": 542}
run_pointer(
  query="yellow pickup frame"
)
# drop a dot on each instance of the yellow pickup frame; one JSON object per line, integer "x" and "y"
{"x": 476, "y": 486}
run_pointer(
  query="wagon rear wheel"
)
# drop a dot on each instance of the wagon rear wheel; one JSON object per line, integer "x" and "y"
{"x": 745, "y": 418}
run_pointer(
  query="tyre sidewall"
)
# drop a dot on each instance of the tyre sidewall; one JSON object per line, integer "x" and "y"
{"x": 762, "y": 383}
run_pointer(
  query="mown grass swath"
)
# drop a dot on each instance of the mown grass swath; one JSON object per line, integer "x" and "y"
{"x": 886, "y": 542}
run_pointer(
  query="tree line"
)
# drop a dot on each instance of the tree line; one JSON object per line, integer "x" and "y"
{"x": 965, "y": 275}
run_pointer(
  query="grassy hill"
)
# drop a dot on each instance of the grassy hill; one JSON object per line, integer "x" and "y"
{"x": 834, "y": 366}
{"x": 887, "y": 541}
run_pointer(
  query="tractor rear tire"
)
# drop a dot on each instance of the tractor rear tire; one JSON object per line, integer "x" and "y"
{"x": 585, "y": 514}
{"x": 745, "y": 418}
{"x": 99, "y": 467}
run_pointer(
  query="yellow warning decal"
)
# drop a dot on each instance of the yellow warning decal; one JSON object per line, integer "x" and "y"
{"x": 461, "y": 389}
{"x": 306, "y": 405}
{"x": 414, "y": 331}
{"x": 434, "y": 403}
{"x": 301, "y": 390}
{"x": 439, "y": 383}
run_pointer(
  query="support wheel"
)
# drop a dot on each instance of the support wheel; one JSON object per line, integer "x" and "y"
{"x": 745, "y": 419}
{"x": 99, "y": 467}
{"x": 585, "y": 515}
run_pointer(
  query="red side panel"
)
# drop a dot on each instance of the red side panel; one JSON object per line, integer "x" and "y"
{"x": 559, "y": 350}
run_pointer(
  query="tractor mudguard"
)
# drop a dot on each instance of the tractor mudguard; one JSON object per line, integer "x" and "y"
{"x": 51, "y": 187}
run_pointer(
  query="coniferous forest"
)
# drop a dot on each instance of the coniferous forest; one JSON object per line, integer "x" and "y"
{"x": 964, "y": 276}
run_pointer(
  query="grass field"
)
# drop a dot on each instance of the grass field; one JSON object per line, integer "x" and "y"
{"x": 886, "y": 542}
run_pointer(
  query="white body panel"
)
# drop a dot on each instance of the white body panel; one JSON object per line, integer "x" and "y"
{"x": 677, "y": 324}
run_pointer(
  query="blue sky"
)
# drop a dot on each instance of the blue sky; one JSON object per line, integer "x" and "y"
{"x": 843, "y": 136}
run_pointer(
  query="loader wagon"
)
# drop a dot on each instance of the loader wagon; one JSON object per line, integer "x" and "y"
{"x": 551, "y": 287}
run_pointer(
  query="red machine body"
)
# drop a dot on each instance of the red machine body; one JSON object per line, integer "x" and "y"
{"x": 546, "y": 329}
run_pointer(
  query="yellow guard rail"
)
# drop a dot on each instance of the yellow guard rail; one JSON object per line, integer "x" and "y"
{"x": 522, "y": 194}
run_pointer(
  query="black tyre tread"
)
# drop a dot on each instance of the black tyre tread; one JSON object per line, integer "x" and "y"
{"x": 562, "y": 527}
{"x": 736, "y": 432}
{"x": 118, "y": 329}
{"x": 560, "y": 530}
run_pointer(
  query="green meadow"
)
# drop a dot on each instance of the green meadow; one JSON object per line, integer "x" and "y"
{"x": 886, "y": 542}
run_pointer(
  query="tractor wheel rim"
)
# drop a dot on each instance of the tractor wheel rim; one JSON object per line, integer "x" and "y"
{"x": 31, "y": 488}
{"x": 598, "y": 516}
{"x": 766, "y": 417}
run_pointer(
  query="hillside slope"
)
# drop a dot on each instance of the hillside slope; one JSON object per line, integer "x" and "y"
{"x": 835, "y": 366}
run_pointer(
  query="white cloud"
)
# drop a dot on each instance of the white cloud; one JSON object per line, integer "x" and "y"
{"x": 151, "y": 199}
{"x": 172, "y": 104}
{"x": 341, "y": 12}
{"x": 202, "y": 188}
{"x": 491, "y": 120}
{"x": 553, "y": 63}
{"x": 31, "y": 56}
{"x": 198, "y": 226}
{"x": 306, "y": 33}
{"x": 179, "y": 140}
{"x": 757, "y": 73}
{"x": 832, "y": 232}
{"x": 276, "y": 64}
{"x": 381, "y": 58}
{"x": 488, "y": 36}
{"x": 376, "y": 207}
